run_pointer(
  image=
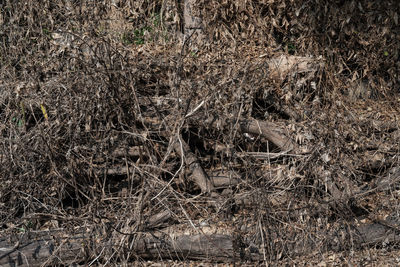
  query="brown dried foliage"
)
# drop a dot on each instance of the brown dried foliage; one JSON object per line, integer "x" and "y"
{"x": 99, "y": 99}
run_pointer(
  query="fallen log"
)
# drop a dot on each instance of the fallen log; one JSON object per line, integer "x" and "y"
{"x": 216, "y": 248}
{"x": 43, "y": 248}
{"x": 56, "y": 247}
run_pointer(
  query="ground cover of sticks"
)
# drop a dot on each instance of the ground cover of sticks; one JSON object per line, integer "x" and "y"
{"x": 174, "y": 132}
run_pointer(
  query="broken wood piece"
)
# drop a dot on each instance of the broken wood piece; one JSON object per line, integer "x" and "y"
{"x": 225, "y": 179}
{"x": 197, "y": 174}
{"x": 158, "y": 219}
{"x": 281, "y": 67}
{"x": 270, "y": 131}
{"x": 129, "y": 151}
{"x": 216, "y": 248}
{"x": 43, "y": 248}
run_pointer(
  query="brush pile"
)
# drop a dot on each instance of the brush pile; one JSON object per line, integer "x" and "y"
{"x": 269, "y": 134}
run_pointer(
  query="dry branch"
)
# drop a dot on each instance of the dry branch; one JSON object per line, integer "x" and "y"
{"x": 220, "y": 180}
{"x": 270, "y": 131}
{"x": 225, "y": 179}
{"x": 196, "y": 172}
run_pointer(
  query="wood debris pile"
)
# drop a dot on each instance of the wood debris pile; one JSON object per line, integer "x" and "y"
{"x": 224, "y": 131}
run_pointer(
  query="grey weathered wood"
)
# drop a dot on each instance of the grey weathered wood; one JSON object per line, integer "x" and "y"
{"x": 185, "y": 247}
{"x": 42, "y": 248}
{"x": 270, "y": 131}
{"x": 51, "y": 247}
{"x": 197, "y": 173}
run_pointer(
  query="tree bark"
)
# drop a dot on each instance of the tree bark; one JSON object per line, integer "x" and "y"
{"x": 270, "y": 131}
{"x": 54, "y": 246}
{"x": 197, "y": 174}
